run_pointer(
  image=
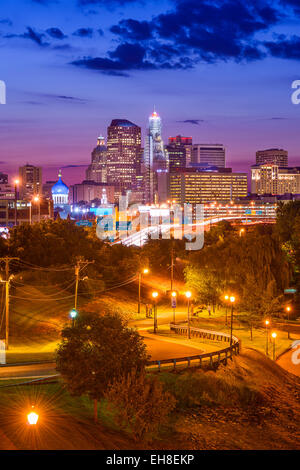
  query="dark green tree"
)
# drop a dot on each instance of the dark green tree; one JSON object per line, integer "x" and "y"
{"x": 96, "y": 351}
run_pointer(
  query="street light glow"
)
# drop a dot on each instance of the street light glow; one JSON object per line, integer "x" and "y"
{"x": 267, "y": 322}
{"x": 174, "y": 294}
{"x": 17, "y": 182}
{"x": 145, "y": 271}
{"x": 154, "y": 294}
{"x": 32, "y": 418}
{"x": 288, "y": 309}
{"x": 73, "y": 313}
{"x": 226, "y": 297}
{"x": 36, "y": 198}
{"x": 232, "y": 299}
{"x": 188, "y": 294}
{"x": 274, "y": 335}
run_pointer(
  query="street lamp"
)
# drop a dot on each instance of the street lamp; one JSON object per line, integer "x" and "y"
{"x": 73, "y": 315}
{"x": 232, "y": 300}
{"x": 288, "y": 309}
{"x": 32, "y": 417}
{"x": 188, "y": 295}
{"x": 154, "y": 296}
{"x": 226, "y": 297}
{"x": 267, "y": 323}
{"x": 16, "y": 183}
{"x": 144, "y": 271}
{"x": 274, "y": 336}
{"x": 38, "y": 201}
{"x": 242, "y": 231}
{"x": 173, "y": 300}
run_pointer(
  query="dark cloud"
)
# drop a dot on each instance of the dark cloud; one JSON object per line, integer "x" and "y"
{"x": 130, "y": 56}
{"x": 31, "y": 34}
{"x": 74, "y": 166}
{"x": 56, "y": 33}
{"x": 6, "y": 21}
{"x": 84, "y": 32}
{"x": 100, "y": 32}
{"x": 106, "y": 3}
{"x": 192, "y": 121}
{"x": 284, "y": 47}
{"x": 133, "y": 29}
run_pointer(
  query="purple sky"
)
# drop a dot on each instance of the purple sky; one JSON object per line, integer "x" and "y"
{"x": 70, "y": 66}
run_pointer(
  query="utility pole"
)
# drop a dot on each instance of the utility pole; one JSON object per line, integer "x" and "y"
{"x": 81, "y": 263}
{"x": 172, "y": 266}
{"x": 8, "y": 278}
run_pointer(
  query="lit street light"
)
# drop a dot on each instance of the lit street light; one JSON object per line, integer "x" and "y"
{"x": 37, "y": 200}
{"x": 288, "y": 309}
{"x": 174, "y": 303}
{"x": 32, "y": 417}
{"x": 232, "y": 300}
{"x": 274, "y": 336}
{"x": 267, "y": 323}
{"x": 188, "y": 295}
{"x": 154, "y": 296}
{"x": 144, "y": 271}
{"x": 73, "y": 315}
{"x": 242, "y": 231}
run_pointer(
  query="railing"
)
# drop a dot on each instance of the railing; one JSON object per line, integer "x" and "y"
{"x": 207, "y": 360}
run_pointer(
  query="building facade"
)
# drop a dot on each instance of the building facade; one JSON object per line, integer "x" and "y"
{"x": 209, "y": 154}
{"x": 273, "y": 179}
{"x": 272, "y": 156}
{"x": 155, "y": 159}
{"x": 30, "y": 181}
{"x": 97, "y": 170}
{"x": 123, "y": 161}
{"x": 88, "y": 191}
{"x": 197, "y": 187}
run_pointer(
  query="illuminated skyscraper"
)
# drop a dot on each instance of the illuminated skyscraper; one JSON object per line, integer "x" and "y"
{"x": 96, "y": 171}
{"x": 30, "y": 181}
{"x": 155, "y": 159}
{"x": 124, "y": 151}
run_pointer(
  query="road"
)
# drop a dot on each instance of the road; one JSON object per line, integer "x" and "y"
{"x": 158, "y": 348}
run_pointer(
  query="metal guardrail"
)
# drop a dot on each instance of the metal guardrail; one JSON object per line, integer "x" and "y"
{"x": 211, "y": 359}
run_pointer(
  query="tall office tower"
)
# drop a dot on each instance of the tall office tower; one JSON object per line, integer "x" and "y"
{"x": 123, "y": 153}
{"x": 3, "y": 178}
{"x": 273, "y": 179}
{"x": 195, "y": 186}
{"x": 209, "y": 154}
{"x": 179, "y": 152}
{"x": 30, "y": 181}
{"x": 272, "y": 156}
{"x": 155, "y": 159}
{"x": 97, "y": 170}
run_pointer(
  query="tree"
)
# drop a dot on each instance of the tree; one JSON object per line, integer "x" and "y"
{"x": 140, "y": 403}
{"x": 97, "y": 350}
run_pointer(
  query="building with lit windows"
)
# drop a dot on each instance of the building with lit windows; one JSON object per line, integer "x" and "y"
{"x": 155, "y": 160}
{"x": 273, "y": 179}
{"x": 124, "y": 152}
{"x": 209, "y": 154}
{"x": 97, "y": 170}
{"x": 272, "y": 156}
{"x": 195, "y": 186}
{"x": 30, "y": 181}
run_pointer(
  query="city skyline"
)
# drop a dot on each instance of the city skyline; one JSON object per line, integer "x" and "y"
{"x": 82, "y": 70}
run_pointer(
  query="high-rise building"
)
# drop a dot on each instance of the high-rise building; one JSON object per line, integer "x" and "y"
{"x": 194, "y": 186}
{"x": 30, "y": 181}
{"x": 272, "y": 156}
{"x": 273, "y": 179}
{"x": 88, "y": 191}
{"x": 179, "y": 152}
{"x": 155, "y": 158}
{"x": 210, "y": 154}
{"x": 3, "y": 178}
{"x": 123, "y": 160}
{"x": 97, "y": 170}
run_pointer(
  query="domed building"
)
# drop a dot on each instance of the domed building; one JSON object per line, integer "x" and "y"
{"x": 60, "y": 193}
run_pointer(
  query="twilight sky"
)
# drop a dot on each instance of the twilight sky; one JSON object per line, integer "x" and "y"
{"x": 217, "y": 70}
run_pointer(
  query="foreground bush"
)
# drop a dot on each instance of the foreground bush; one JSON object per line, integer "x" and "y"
{"x": 140, "y": 404}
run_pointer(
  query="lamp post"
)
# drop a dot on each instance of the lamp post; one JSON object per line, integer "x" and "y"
{"x": 274, "y": 335}
{"x": 242, "y": 231}
{"x": 32, "y": 417}
{"x": 144, "y": 271}
{"x": 38, "y": 201}
{"x": 188, "y": 295}
{"x": 173, "y": 300}
{"x": 226, "y": 297}
{"x": 154, "y": 296}
{"x": 16, "y": 183}
{"x": 232, "y": 300}
{"x": 73, "y": 315}
{"x": 267, "y": 323}
{"x": 288, "y": 309}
